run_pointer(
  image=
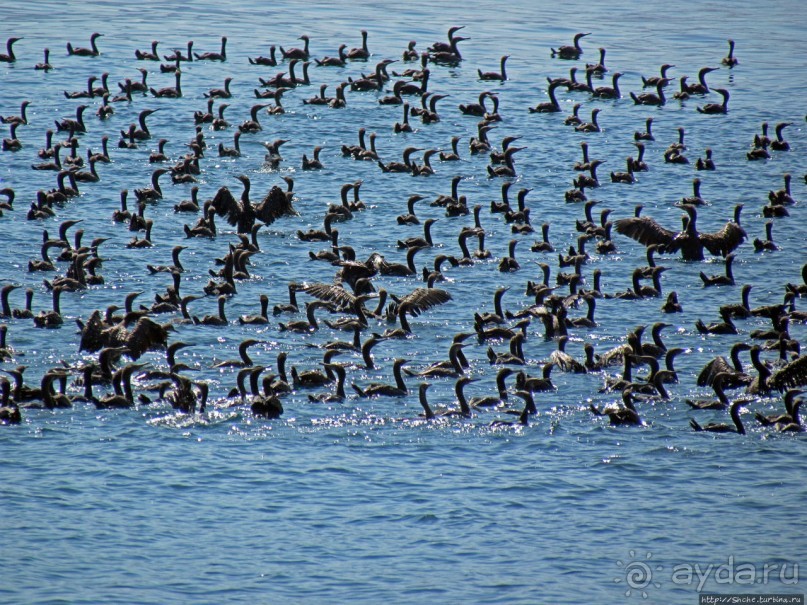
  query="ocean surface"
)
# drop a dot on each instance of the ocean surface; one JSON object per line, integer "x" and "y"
{"x": 364, "y": 501}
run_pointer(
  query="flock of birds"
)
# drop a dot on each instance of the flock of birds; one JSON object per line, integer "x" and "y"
{"x": 113, "y": 340}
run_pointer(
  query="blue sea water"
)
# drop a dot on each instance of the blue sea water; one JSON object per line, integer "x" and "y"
{"x": 364, "y": 501}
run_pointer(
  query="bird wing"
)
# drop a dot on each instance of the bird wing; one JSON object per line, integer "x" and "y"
{"x": 116, "y": 335}
{"x": 224, "y": 203}
{"x": 644, "y": 230}
{"x": 147, "y": 335}
{"x": 330, "y": 293}
{"x": 566, "y": 362}
{"x": 713, "y": 368}
{"x": 791, "y": 376}
{"x": 276, "y": 204}
{"x": 421, "y": 299}
{"x": 616, "y": 355}
{"x": 93, "y": 337}
{"x": 724, "y": 241}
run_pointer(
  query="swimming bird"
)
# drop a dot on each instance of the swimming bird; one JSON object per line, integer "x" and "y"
{"x": 145, "y": 55}
{"x": 9, "y": 56}
{"x": 235, "y": 150}
{"x": 308, "y": 325}
{"x": 716, "y": 107}
{"x": 70, "y": 125}
{"x": 142, "y": 133}
{"x": 220, "y": 93}
{"x": 403, "y": 126}
{"x": 500, "y": 75}
{"x": 570, "y": 52}
{"x": 244, "y": 360}
{"x": 544, "y": 245}
{"x": 478, "y": 108}
{"x": 362, "y": 53}
{"x": 627, "y": 415}
{"x": 790, "y": 416}
{"x": 405, "y": 166}
{"x": 252, "y": 125}
{"x": 590, "y": 180}
{"x": 314, "y": 377}
{"x": 52, "y": 318}
{"x": 649, "y": 98}
{"x": 654, "y": 80}
{"x": 779, "y": 143}
{"x": 683, "y": 93}
{"x": 320, "y": 99}
{"x": 159, "y": 155}
{"x": 54, "y": 164}
{"x": 9, "y": 410}
{"x": 725, "y": 327}
{"x": 609, "y": 92}
{"x": 508, "y": 169}
{"x": 695, "y": 199}
{"x": 451, "y": 56}
{"x": 214, "y": 56}
{"x": 21, "y": 119}
{"x": 647, "y": 135}
{"x": 733, "y": 374}
{"x": 701, "y": 88}
{"x": 625, "y": 177}
{"x": 399, "y": 389}
{"x": 730, "y": 60}
{"x": 593, "y": 125}
{"x": 736, "y": 427}
{"x": 268, "y": 405}
{"x": 504, "y": 205}
{"x": 599, "y": 67}
{"x": 766, "y": 245}
{"x": 83, "y": 51}
{"x": 706, "y": 163}
{"x": 45, "y": 65}
{"x": 509, "y": 263}
{"x": 297, "y": 53}
{"x": 425, "y": 241}
{"x": 571, "y": 83}
{"x": 782, "y": 196}
{"x": 313, "y": 163}
{"x": 339, "y": 61}
{"x": 410, "y": 54}
{"x": 90, "y": 176}
{"x": 170, "y": 92}
{"x": 446, "y": 46}
{"x": 373, "y": 82}
{"x": 338, "y": 395}
{"x": 214, "y": 320}
{"x": 564, "y": 361}
{"x": 270, "y": 61}
{"x": 153, "y": 192}
{"x": 551, "y": 106}
{"x": 574, "y": 118}
{"x": 177, "y": 55}
{"x": 176, "y": 266}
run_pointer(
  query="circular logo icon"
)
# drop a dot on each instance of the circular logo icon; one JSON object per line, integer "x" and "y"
{"x": 638, "y": 574}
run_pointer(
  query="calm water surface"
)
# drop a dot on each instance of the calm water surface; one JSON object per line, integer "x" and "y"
{"x": 362, "y": 501}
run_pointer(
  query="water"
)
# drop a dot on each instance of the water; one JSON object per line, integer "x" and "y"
{"x": 363, "y": 501}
